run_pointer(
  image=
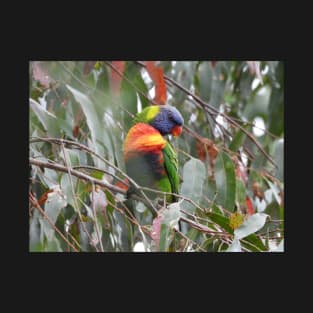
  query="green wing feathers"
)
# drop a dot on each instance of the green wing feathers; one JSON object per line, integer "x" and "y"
{"x": 171, "y": 166}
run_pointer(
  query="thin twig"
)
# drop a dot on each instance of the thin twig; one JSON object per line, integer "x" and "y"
{"x": 95, "y": 217}
{"x": 172, "y": 194}
{"x": 204, "y": 228}
{"x": 78, "y": 174}
{"x": 84, "y": 148}
{"x": 66, "y": 161}
{"x": 188, "y": 239}
{"x": 211, "y": 109}
{"x": 102, "y": 171}
{"x": 35, "y": 203}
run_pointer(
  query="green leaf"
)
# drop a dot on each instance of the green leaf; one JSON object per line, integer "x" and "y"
{"x": 165, "y": 239}
{"x": 254, "y": 243}
{"x": 235, "y": 246}
{"x": 218, "y": 84}
{"x": 276, "y": 105}
{"x": 99, "y": 134}
{"x": 278, "y": 155}
{"x": 225, "y": 181}
{"x": 61, "y": 70}
{"x": 194, "y": 174}
{"x": 237, "y": 141}
{"x": 53, "y": 245}
{"x": 128, "y": 101}
{"x": 254, "y": 223}
{"x": 47, "y": 119}
{"x": 67, "y": 189}
{"x": 220, "y": 220}
{"x": 53, "y": 205}
{"x": 240, "y": 191}
{"x": 205, "y": 80}
{"x": 170, "y": 218}
{"x": 183, "y": 74}
{"x": 171, "y": 215}
{"x": 140, "y": 84}
{"x": 34, "y": 231}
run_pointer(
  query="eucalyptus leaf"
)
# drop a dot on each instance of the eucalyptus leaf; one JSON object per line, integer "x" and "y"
{"x": 205, "y": 80}
{"x": 53, "y": 205}
{"x": 218, "y": 85}
{"x": 95, "y": 122}
{"x": 225, "y": 181}
{"x": 220, "y": 220}
{"x": 237, "y": 141}
{"x": 194, "y": 175}
{"x": 47, "y": 119}
{"x": 240, "y": 191}
{"x": 165, "y": 238}
{"x": 235, "y": 246}
{"x": 254, "y": 223}
{"x": 171, "y": 215}
{"x": 278, "y": 154}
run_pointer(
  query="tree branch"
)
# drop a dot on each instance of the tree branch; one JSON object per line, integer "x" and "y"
{"x": 203, "y": 228}
{"x": 78, "y": 174}
{"x": 84, "y": 148}
{"x": 35, "y": 203}
{"x": 212, "y": 110}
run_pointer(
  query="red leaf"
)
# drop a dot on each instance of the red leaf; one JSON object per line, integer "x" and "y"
{"x": 249, "y": 205}
{"x": 213, "y": 63}
{"x": 122, "y": 185}
{"x": 88, "y": 66}
{"x": 156, "y": 74}
{"x": 40, "y": 73}
{"x": 116, "y": 78}
{"x": 206, "y": 146}
{"x": 76, "y": 131}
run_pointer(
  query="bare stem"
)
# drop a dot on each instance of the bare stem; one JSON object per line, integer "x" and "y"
{"x": 67, "y": 161}
{"x": 78, "y": 174}
{"x": 35, "y": 203}
{"x": 95, "y": 217}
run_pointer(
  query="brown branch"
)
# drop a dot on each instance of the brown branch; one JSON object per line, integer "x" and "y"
{"x": 188, "y": 239}
{"x": 35, "y": 203}
{"x": 78, "y": 174}
{"x": 102, "y": 171}
{"x": 203, "y": 228}
{"x": 95, "y": 217}
{"x": 212, "y": 110}
{"x": 84, "y": 148}
{"x": 172, "y": 194}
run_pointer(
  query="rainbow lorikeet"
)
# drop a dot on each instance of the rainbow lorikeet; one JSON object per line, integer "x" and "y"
{"x": 150, "y": 159}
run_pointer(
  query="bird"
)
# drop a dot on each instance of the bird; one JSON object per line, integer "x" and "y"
{"x": 150, "y": 159}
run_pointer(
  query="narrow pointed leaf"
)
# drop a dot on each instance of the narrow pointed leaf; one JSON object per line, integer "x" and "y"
{"x": 225, "y": 181}
{"x": 193, "y": 180}
{"x": 235, "y": 246}
{"x": 254, "y": 223}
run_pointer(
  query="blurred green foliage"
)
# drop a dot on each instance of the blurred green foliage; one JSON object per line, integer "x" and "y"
{"x": 74, "y": 101}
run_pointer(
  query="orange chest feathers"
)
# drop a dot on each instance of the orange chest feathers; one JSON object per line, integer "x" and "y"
{"x": 143, "y": 138}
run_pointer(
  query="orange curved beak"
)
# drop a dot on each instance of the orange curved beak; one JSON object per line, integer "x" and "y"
{"x": 176, "y": 131}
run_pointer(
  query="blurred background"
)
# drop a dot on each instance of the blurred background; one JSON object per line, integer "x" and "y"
{"x": 231, "y": 154}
